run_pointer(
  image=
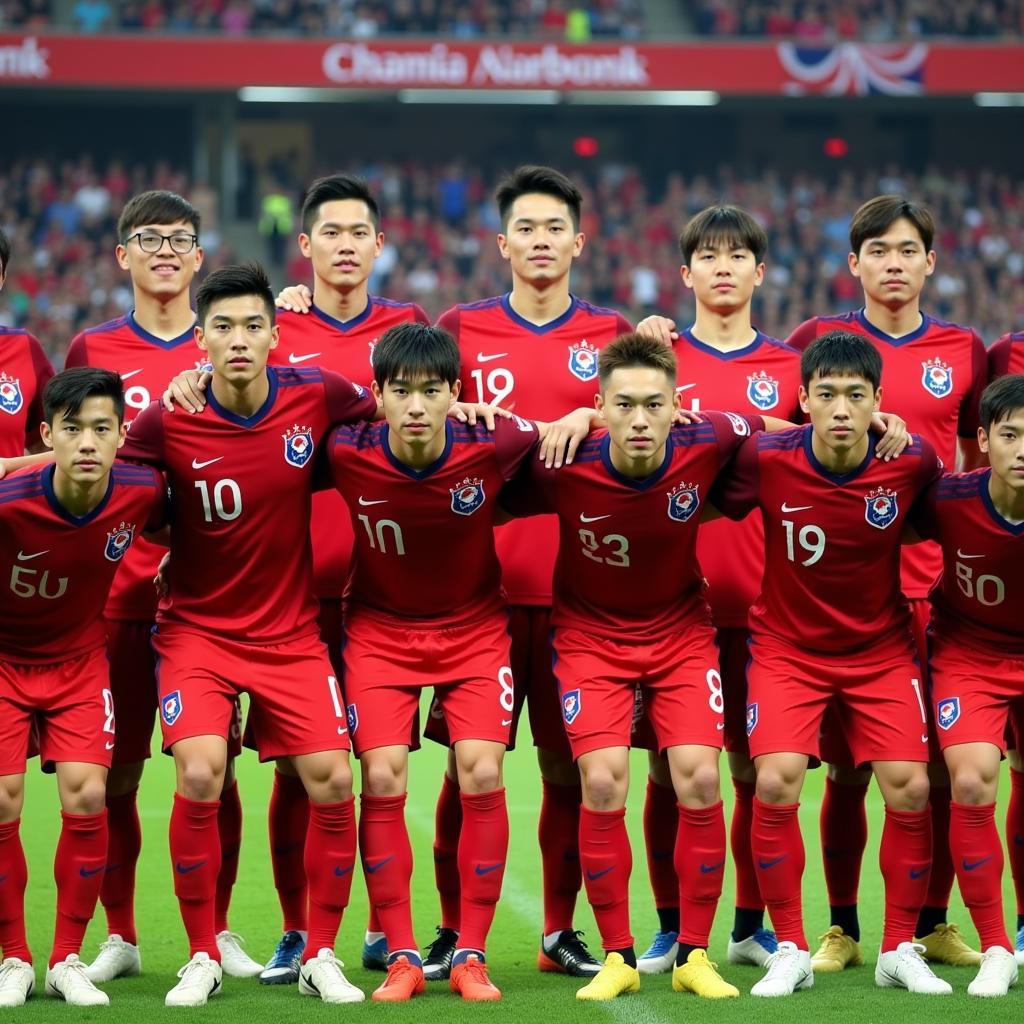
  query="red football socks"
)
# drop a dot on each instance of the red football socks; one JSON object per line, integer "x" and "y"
{"x": 978, "y": 856}
{"x": 288, "y": 821}
{"x": 778, "y": 849}
{"x": 483, "y": 848}
{"x": 607, "y": 862}
{"x": 843, "y": 825}
{"x": 330, "y": 856}
{"x": 1015, "y": 836}
{"x": 117, "y": 892}
{"x": 387, "y": 865}
{"x": 748, "y": 893}
{"x": 558, "y": 834}
{"x": 447, "y": 826}
{"x": 229, "y": 827}
{"x": 661, "y": 826}
{"x": 78, "y": 871}
{"x": 905, "y": 859}
{"x": 195, "y": 861}
{"x": 700, "y": 863}
{"x": 13, "y": 880}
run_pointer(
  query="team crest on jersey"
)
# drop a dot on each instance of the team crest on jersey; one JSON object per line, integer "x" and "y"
{"x": 204, "y": 366}
{"x": 937, "y": 377}
{"x": 359, "y": 390}
{"x": 352, "y": 717}
{"x": 11, "y": 398}
{"x": 119, "y": 541}
{"x": 468, "y": 496}
{"x": 751, "y": 717}
{"x": 763, "y": 391}
{"x": 683, "y": 501}
{"x": 571, "y": 705}
{"x": 948, "y": 712}
{"x": 583, "y": 360}
{"x": 298, "y": 445}
{"x": 170, "y": 707}
{"x": 881, "y": 507}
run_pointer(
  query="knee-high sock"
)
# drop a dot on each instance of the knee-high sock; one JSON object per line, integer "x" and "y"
{"x": 779, "y": 857}
{"x": 229, "y": 827}
{"x": 905, "y": 858}
{"x": 13, "y": 881}
{"x": 607, "y": 861}
{"x": 288, "y": 822}
{"x": 661, "y": 826}
{"x": 1015, "y": 836}
{"x": 387, "y": 865}
{"x": 78, "y": 871}
{"x": 940, "y": 882}
{"x": 195, "y": 861}
{"x": 558, "y": 834}
{"x": 447, "y": 827}
{"x": 748, "y": 893}
{"x": 483, "y": 847}
{"x": 700, "y": 863}
{"x": 329, "y": 860}
{"x": 124, "y": 844}
{"x": 843, "y": 828}
{"x": 978, "y": 856}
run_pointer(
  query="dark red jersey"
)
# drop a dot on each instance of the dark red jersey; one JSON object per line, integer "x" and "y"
{"x": 1006, "y": 355}
{"x": 24, "y": 372}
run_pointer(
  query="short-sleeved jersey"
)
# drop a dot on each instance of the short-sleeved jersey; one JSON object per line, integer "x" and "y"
{"x": 345, "y": 347}
{"x": 1006, "y": 355}
{"x": 761, "y": 378}
{"x": 59, "y": 567}
{"x": 542, "y": 372}
{"x": 832, "y": 543}
{"x": 933, "y": 378}
{"x": 627, "y": 558}
{"x": 146, "y": 364}
{"x": 424, "y": 549}
{"x": 241, "y": 493}
{"x": 24, "y": 372}
{"x": 979, "y": 602}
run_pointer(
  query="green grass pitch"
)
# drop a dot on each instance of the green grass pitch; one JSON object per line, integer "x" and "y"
{"x": 529, "y": 996}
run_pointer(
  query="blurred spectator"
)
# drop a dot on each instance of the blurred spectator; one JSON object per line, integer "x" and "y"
{"x": 92, "y": 15}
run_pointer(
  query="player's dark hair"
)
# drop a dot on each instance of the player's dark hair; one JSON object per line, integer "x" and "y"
{"x": 629, "y": 350}
{"x": 877, "y": 215}
{"x": 723, "y": 225}
{"x": 545, "y": 181}
{"x": 415, "y": 350}
{"x": 842, "y": 354}
{"x": 334, "y": 187}
{"x": 156, "y": 207}
{"x": 1003, "y": 397}
{"x": 5, "y": 251}
{"x": 68, "y": 390}
{"x": 231, "y": 282}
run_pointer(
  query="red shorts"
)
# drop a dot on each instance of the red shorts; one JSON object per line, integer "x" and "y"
{"x": 68, "y": 707}
{"x": 387, "y": 666}
{"x": 295, "y": 701}
{"x": 133, "y": 684}
{"x": 677, "y": 673}
{"x": 877, "y": 695}
{"x": 975, "y": 695}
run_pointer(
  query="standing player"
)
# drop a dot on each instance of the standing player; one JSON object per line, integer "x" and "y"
{"x": 977, "y": 656}
{"x": 241, "y": 475}
{"x": 831, "y": 625}
{"x": 64, "y": 529}
{"x": 935, "y": 372}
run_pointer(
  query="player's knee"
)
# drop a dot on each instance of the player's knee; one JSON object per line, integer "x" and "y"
{"x": 910, "y": 793}
{"x": 381, "y": 778}
{"x": 12, "y": 799}
{"x": 90, "y": 797}
{"x": 775, "y": 786}
{"x": 485, "y": 775}
{"x": 602, "y": 789}
{"x": 971, "y": 787}
{"x": 703, "y": 785}
{"x": 200, "y": 780}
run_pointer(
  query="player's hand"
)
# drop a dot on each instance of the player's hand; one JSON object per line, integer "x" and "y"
{"x": 894, "y": 435}
{"x": 188, "y": 390}
{"x": 660, "y": 328}
{"x": 684, "y": 416}
{"x": 564, "y": 436}
{"x": 162, "y": 579}
{"x": 296, "y": 297}
{"x": 472, "y": 413}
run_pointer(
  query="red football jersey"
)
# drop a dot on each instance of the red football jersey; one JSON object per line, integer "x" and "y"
{"x": 24, "y": 372}
{"x": 832, "y": 543}
{"x": 933, "y": 378}
{"x": 541, "y": 372}
{"x": 241, "y": 492}
{"x": 1006, "y": 355}
{"x": 627, "y": 558}
{"x": 62, "y": 566}
{"x": 763, "y": 377}
{"x": 979, "y": 602}
{"x": 424, "y": 551}
{"x": 345, "y": 347}
{"x": 146, "y": 364}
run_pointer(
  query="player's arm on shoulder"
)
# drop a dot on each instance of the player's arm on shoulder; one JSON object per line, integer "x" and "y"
{"x": 297, "y": 298}
{"x": 893, "y": 436}
{"x": 530, "y": 492}
{"x": 660, "y": 328}
{"x": 158, "y": 526}
{"x": 735, "y": 490}
{"x": 16, "y": 462}
{"x": 803, "y": 335}
{"x": 144, "y": 441}
{"x": 560, "y": 439}
{"x": 472, "y": 413}
{"x": 348, "y": 402}
{"x": 187, "y": 391}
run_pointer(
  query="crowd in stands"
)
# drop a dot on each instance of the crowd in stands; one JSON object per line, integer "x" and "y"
{"x": 440, "y": 226}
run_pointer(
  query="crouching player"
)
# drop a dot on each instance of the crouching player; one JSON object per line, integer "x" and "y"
{"x": 422, "y": 491}
{"x": 977, "y": 656}
{"x": 64, "y": 529}
{"x": 829, "y": 625}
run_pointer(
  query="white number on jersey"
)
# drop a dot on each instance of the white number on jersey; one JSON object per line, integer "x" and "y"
{"x": 596, "y": 550}
{"x": 223, "y": 510}
{"x": 986, "y": 589}
{"x": 811, "y": 540}
{"x": 377, "y": 535}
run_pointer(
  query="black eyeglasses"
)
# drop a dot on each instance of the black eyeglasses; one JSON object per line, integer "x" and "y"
{"x": 152, "y": 241}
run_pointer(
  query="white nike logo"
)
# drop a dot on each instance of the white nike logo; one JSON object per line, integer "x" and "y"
{"x": 506, "y": 721}
{"x": 795, "y": 508}
{"x": 684, "y": 387}
{"x": 341, "y": 731}
{"x": 293, "y": 358}
{"x": 109, "y": 744}
{"x": 196, "y": 464}
{"x": 924, "y": 739}
{"x": 22, "y": 557}
{"x": 960, "y": 554}
{"x": 720, "y": 726}
{"x": 592, "y": 519}
{"x": 130, "y": 374}
{"x": 379, "y": 501}
{"x": 481, "y": 358}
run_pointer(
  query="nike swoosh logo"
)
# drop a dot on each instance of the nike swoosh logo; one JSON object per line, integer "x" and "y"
{"x": 917, "y": 874}
{"x": 593, "y": 876}
{"x": 341, "y": 872}
{"x": 486, "y": 869}
{"x": 592, "y": 519}
{"x": 720, "y": 726}
{"x": 960, "y": 554}
{"x": 795, "y": 508}
{"x": 506, "y": 721}
{"x": 924, "y": 738}
{"x": 684, "y": 387}
{"x": 130, "y": 374}
{"x": 293, "y": 358}
{"x": 710, "y": 869}
{"x": 90, "y": 872}
{"x": 196, "y": 464}
{"x": 764, "y": 865}
{"x": 379, "y": 501}
{"x": 374, "y": 868}
{"x": 342, "y": 730}
{"x": 481, "y": 358}
{"x": 187, "y": 869}
{"x": 22, "y": 557}
{"x": 109, "y": 745}
{"x": 974, "y": 865}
